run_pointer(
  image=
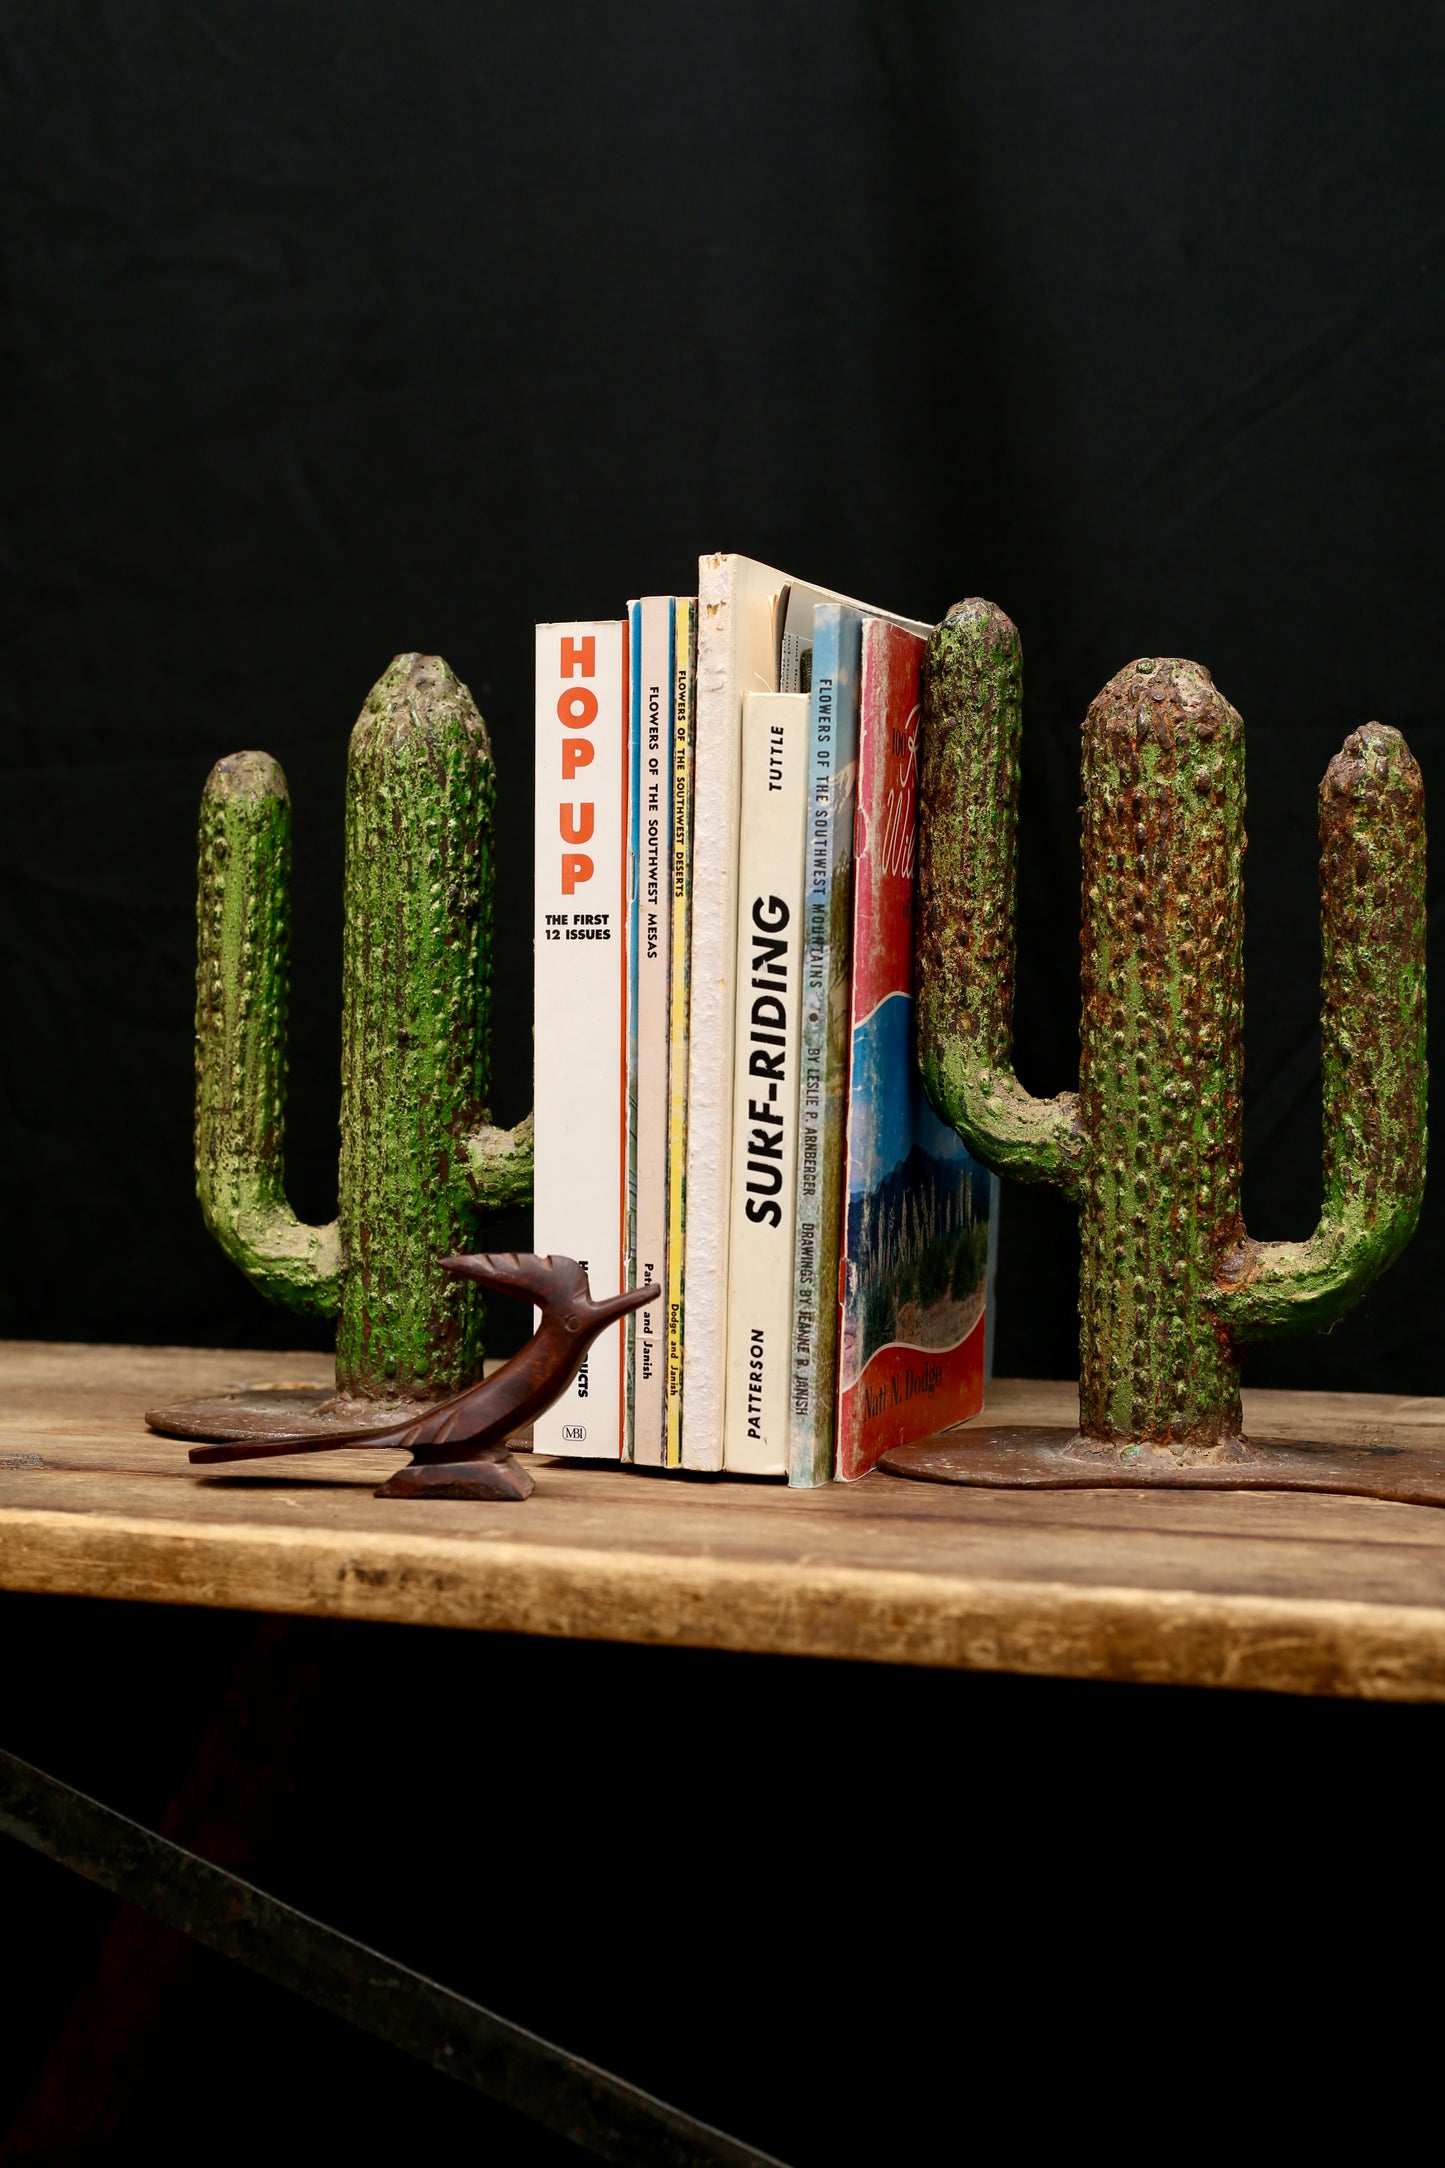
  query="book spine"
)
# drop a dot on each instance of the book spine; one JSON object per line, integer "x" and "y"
{"x": 991, "y": 1308}
{"x": 765, "y": 1082}
{"x": 713, "y": 994}
{"x": 823, "y": 1074}
{"x": 683, "y": 686}
{"x": 652, "y": 707}
{"x": 581, "y": 1010}
{"x": 634, "y": 796}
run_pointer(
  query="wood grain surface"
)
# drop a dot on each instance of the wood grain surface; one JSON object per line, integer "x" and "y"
{"x": 1290, "y": 1593}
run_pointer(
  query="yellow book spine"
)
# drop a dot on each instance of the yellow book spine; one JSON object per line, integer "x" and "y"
{"x": 685, "y": 664}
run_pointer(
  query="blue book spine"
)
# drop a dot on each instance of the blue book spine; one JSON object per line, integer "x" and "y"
{"x": 823, "y": 1068}
{"x": 992, "y": 1270}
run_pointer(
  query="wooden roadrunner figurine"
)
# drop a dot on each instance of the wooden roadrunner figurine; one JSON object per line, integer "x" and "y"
{"x": 459, "y": 1446}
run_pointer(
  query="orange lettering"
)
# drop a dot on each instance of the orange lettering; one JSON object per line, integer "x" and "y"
{"x": 577, "y": 707}
{"x": 575, "y": 822}
{"x": 579, "y": 654}
{"x": 576, "y": 753}
{"x": 575, "y": 867}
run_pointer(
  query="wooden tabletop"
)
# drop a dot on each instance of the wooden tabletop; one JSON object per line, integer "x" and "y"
{"x": 1297, "y": 1594}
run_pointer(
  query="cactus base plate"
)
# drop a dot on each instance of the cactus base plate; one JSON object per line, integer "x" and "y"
{"x": 1022, "y": 1458}
{"x": 261, "y": 1411}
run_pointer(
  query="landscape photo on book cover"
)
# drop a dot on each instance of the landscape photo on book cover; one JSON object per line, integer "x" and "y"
{"x": 917, "y": 1248}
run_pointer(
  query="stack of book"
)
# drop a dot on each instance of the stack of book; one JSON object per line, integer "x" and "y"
{"x": 727, "y": 1101}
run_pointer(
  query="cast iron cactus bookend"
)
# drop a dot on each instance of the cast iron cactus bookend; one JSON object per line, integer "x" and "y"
{"x": 1150, "y": 1145}
{"x": 459, "y": 1448}
{"x": 420, "y": 1161}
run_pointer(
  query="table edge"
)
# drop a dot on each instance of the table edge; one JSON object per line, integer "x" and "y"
{"x": 1182, "y": 1637}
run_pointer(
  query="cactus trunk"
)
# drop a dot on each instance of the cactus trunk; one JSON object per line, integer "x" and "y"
{"x": 416, "y": 978}
{"x": 1161, "y": 1067}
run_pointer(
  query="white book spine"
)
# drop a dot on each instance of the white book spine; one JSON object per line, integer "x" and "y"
{"x": 652, "y": 707}
{"x": 735, "y": 654}
{"x": 768, "y": 1016}
{"x": 581, "y": 1022}
{"x": 629, "y": 1265}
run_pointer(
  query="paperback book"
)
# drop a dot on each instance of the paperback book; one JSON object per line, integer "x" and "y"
{"x": 651, "y": 947}
{"x": 765, "y": 1087}
{"x": 823, "y": 1059}
{"x": 581, "y": 1026}
{"x": 684, "y": 665}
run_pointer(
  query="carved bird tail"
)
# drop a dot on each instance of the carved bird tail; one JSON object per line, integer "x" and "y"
{"x": 546, "y": 1281}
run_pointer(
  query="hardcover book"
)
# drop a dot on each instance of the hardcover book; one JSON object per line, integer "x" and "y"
{"x": 581, "y": 1015}
{"x": 914, "y": 1278}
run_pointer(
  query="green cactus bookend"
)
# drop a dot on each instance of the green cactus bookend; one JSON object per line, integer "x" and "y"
{"x": 1150, "y": 1146}
{"x": 420, "y": 1161}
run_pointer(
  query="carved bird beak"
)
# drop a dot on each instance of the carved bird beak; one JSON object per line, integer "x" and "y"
{"x": 631, "y": 1298}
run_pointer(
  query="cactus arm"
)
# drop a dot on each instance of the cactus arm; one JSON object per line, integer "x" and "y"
{"x": 1372, "y": 922}
{"x": 497, "y": 1167}
{"x": 241, "y": 1000}
{"x": 968, "y": 853}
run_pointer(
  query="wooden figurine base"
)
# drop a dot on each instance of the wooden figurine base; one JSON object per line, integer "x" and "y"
{"x": 1048, "y": 1459}
{"x": 496, "y": 1476}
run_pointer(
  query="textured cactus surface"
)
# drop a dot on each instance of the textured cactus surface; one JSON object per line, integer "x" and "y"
{"x": 420, "y": 1162}
{"x": 1150, "y": 1147}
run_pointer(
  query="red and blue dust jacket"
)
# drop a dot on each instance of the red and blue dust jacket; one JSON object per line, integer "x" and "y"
{"x": 914, "y": 1280}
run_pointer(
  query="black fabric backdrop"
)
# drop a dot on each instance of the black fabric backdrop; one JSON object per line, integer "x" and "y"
{"x": 331, "y": 331}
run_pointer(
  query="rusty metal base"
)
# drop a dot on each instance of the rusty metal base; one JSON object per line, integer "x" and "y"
{"x": 263, "y": 1411}
{"x": 1023, "y": 1458}
{"x": 496, "y": 1475}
